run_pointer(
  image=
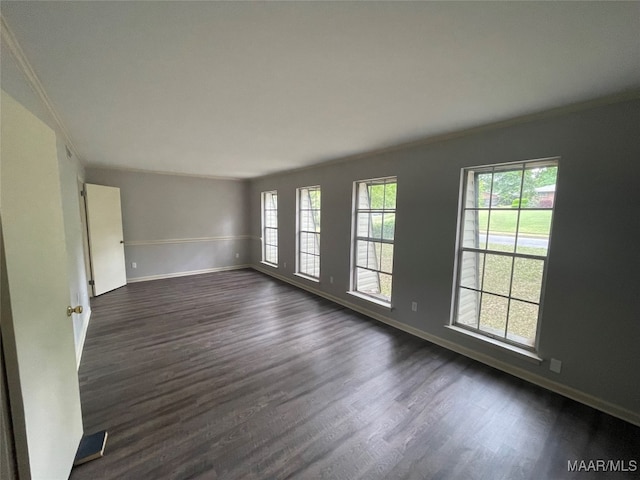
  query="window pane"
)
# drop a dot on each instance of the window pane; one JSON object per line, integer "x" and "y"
{"x": 315, "y": 198}
{"x": 533, "y": 232}
{"x": 304, "y": 220}
{"x": 367, "y": 254}
{"x": 271, "y": 254}
{"x": 271, "y": 219}
{"x": 502, "y": 230}
{"x": 363, "y": 196}
{"x": 523, "y": 322}
{"x": 306, "y": 243}
{"x": 482, "y": 189}
{"x": 493, "y": 314}
{"x": 315, "y": 217}
{"x": 363, "y": 225}
{"x": 527, "y": 279}
{"x": 388, "y": 226}
{"x": 386, "y": 260}
{"x": 376, "y": 191}
{"x": 497, "y": 274}
{"x": 390, "y": 196}
{"x": 376, "y": 225}
{"x": 506, "y": 189}
{"x": 305, "y": 203}
{"x": 474, "y": 230}
{"x": 535, "y": 222}
{"x": 468, "y": 307}
{"x": 367, "y": 281}
{"x": 471, "y": 270}
{"x": 385, "y": 286}
{"x": 271, "y": 236}
{"x": 314, "y": 243}
{"x": 309, "y": 264}
{"x": 544, "y": 186}
{"x": 306, "y": 261}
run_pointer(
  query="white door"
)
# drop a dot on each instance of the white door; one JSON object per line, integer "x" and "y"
{"x": 37, "y": 333}
{"x": 106, "y": 244}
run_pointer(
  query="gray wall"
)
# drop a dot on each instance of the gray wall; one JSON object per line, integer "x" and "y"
{"x": 176, "y": 224}
{"x": 14, "y": 83}
{"x": 591, "y": 314}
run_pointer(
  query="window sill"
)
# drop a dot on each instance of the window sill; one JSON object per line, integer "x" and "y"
{"x": 273, "y": 265}
{"x": 381, "y": 303}
{"x": 511, "y": 349}
{"x": 307, "y": 277}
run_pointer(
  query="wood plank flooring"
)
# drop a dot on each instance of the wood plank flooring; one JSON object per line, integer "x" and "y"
{"x": 235, "y": 375}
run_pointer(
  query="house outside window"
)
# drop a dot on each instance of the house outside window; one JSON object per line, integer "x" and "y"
{"x": 506, "y": 214}
{"x": 308, "y": 239}
{"x": 270, "y": 227}
{"x": 373, "y": 238}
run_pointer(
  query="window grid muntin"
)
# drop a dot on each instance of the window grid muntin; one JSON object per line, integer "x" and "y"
{"x": 369, "y": 239}
{"x": 301, "y": 230}
{"x": 515, "y": 166}
{"x": 270, "y": 248}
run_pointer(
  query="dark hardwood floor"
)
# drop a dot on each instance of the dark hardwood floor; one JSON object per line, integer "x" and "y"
{"x": 235, "y": 375}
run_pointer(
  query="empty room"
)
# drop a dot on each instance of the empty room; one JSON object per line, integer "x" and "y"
{"x": 348, "y": 240}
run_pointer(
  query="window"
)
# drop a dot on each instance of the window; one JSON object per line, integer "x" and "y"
{"x": 374, "y": 225}
{"x": 505, "y": 228}
{"x": 270, "y": 227}
{"x": 308, "y": 241}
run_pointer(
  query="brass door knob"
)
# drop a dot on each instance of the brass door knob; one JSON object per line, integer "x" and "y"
{"x": 71, "y": 310}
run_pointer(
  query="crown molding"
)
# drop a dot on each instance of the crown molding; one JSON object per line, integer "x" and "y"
{"x": 628, "y": 95}
{"x": 9, "y": 39}
{"x": 163, "y": 172}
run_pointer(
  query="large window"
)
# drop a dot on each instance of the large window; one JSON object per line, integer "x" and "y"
{"x": 308, "y": 241}
{"x": 270, "y": 227}
{"x": 505, "y": 227}
{"x": 374, "y": 229}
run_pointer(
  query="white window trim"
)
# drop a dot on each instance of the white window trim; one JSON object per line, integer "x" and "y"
{"x": 298, "y": 232}
{"x": 354, "y": 238}
{"x": 504, "y": 343}
{"x": 264, "y": 229}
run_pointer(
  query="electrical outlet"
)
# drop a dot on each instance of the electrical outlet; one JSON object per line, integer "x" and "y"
{"x": 555, "y": 365}
{"x": 414, "y": 306}
{"x": 330, "y": 279}
{"x": 285, "y": 264}
{"x": 134, "y": 265}
{"x": 237, "y": 255}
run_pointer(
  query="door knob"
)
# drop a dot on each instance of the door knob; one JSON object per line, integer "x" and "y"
{"x": 71, "y": 310}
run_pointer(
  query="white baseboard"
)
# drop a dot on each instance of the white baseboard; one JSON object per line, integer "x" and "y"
{"x": 186, "y": 274}
{"x": 83, "y": 337}
{"x": 570, "y": 392}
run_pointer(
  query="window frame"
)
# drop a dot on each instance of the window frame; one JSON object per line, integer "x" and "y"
{"x": 265, "y": 228}
{"x": 300, "y": 230}
{"x": 500, "y": 340}
{"x": 355, "y": 238}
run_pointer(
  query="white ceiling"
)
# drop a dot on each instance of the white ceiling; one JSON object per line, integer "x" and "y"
{"x": 244, "y": 89}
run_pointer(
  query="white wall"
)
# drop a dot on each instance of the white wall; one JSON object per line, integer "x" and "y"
{"x": 591, "y": 313}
